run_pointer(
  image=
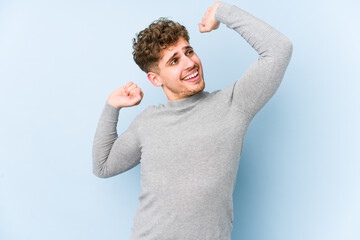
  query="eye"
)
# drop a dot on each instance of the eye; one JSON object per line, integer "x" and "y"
{"x": 174, "y": 61}
{"x": 190, "y": 52}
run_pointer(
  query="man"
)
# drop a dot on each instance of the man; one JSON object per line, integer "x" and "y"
{"x": 189, "y": 147}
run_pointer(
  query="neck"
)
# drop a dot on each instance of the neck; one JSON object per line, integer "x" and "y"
{"x": 186, "y": 101}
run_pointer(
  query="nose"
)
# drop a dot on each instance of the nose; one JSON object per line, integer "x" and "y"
{"x": 188, "y": 63}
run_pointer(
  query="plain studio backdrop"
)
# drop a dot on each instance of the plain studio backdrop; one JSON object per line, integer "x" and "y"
{"x": 59, "y": 60}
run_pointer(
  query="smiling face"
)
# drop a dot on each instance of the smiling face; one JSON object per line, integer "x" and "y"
{"x": 179, "y": 71}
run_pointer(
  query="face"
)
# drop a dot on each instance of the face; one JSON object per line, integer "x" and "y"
{"x": 180, "y": 71}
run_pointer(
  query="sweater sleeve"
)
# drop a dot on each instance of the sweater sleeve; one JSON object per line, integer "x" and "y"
{"x": 261, "y": 80}
{"x": 113, "y": 154}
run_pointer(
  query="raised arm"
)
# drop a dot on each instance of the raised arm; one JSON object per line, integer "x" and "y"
{"x": 113, "y": 154}
{"x": 261, "y": 80}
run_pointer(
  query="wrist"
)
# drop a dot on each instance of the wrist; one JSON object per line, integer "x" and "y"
{"x": 109, "y": 102}
{"x": 215, "y": 6}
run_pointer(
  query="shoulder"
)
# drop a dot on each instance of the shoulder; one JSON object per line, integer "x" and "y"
{"x": 144, "y": 115}
{"x": 224, "y": 93}
{"x": 222, "y": 98}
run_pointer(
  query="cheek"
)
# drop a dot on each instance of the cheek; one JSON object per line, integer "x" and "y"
{"x": 178, "y": 72}
{"x": 173, "y": 76}
{"x": 197, "y": 60}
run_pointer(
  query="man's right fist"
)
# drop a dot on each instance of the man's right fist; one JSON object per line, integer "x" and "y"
{"x": 126, "y": 96}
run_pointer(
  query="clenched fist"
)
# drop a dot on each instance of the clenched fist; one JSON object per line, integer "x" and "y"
{"x": 126, "y": 96}
{"x": 208, "y": 22}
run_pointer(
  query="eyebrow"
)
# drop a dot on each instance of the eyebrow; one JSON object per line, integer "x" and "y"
{"x": 174, "y": 55}
{"x": 177, "y": 53}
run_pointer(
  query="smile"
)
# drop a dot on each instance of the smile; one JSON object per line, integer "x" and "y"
{"x": 192, "y": 77}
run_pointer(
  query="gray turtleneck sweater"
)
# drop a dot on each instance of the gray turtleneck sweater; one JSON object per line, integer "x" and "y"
{"x": 189, "y": 149}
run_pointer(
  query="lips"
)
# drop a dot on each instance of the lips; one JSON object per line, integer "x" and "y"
{"x": 194, "y": 73}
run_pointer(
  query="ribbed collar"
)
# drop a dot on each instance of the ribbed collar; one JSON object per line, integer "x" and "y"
{"x": 189, "y": 101}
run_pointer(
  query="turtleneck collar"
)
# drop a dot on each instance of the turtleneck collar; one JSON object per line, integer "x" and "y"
{"x": 189, "y": 101}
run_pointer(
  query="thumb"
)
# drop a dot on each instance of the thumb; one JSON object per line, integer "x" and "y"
{"x": 201, "y": 27}
{"x": 137, "y": 95}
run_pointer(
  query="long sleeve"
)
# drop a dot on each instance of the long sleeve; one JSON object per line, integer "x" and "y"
{"x": 261, "y": 80}
{"x": 112, "y": 154}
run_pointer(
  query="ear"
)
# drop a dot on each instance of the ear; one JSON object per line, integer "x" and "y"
{"x": 154, "y": 79}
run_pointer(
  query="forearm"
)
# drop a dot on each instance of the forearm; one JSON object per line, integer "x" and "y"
{"x": 265, "y": 39}
{"x": 112, "y": 154}
{"x": 264, "y": 76}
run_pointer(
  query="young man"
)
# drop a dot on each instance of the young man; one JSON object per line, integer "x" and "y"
{"x": 189, "y": 147}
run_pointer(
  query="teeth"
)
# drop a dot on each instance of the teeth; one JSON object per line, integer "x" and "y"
{"x": 191, "y": 76}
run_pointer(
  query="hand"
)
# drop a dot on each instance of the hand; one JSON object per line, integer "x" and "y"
{"x": 126, "y": 96}
{"x": 208, "y": 22}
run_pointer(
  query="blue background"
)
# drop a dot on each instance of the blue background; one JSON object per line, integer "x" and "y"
{"x": 59, "y": 60}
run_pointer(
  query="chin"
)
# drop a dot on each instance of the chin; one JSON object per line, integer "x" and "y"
{"x": 202, "y": 85}
{"x": 199, "y": 88}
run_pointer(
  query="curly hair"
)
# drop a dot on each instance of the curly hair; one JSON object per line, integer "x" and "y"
{"x": 149, "y": 42}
